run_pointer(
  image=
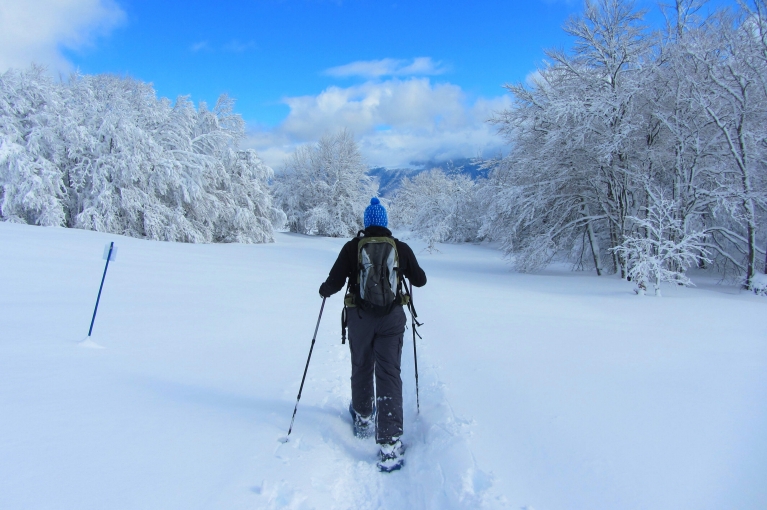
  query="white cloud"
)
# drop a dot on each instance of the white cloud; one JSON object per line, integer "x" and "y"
{"x": 233, "y": 46}
{"x": 37, "y": 30}
{"x": 421, "y": 66}
{"x": 396, "y": 122}
{"x": 236, "y": 46}
{"x": 200, "y": 46}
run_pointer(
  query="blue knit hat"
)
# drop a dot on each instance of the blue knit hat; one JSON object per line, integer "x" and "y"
{"x": 375, "y": 214}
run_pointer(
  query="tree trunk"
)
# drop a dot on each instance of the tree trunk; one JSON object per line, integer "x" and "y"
{"x": 613, "y": 242}
{"x": 751, "y": 267}
{"x": 592, "y": 241}
{"x": 748, "y": 206}
{"x": 594, "y": 249}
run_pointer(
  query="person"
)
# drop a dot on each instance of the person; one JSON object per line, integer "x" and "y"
{"x": 375, "y": 342}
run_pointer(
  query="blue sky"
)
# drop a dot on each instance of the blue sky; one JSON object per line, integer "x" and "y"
{"x": 414, "y": 80}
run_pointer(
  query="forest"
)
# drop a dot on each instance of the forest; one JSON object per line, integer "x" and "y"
{"x": 638, "y": 152}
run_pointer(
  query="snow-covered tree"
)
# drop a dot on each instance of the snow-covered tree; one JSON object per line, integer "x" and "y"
{"x": 103, "y": 153}
{"x": 437, "y": 207}
{"x": 31, "y": 185}
{"x": 660, "y": 250}
{"x": 249, "y": 216}
{"x": 324, "y": 188}
{"x": 733, "y": 94}
{"x": 628, "y": 110}
{"x": 575, "y": 132}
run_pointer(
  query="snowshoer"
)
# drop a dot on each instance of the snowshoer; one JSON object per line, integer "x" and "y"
{"x": 374, "y": 263}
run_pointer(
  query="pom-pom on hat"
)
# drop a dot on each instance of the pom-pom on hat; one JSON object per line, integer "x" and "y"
{"x": 375, "y": 214}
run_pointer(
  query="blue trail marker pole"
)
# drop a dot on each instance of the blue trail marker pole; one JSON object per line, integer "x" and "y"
{"x": 110, "y": 255}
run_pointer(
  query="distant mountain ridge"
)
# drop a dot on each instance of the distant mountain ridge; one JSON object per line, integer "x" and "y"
{"x": 389, "y": 179}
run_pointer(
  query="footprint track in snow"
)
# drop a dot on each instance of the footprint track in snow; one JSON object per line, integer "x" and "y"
{"x": 440, "y": 470}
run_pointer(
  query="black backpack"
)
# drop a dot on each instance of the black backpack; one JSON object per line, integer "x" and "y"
{"x": 379, "y": 281}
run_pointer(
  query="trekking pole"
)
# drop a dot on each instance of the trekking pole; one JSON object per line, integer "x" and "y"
{"x": 413, "y": 316}
{"x": 285, "y": 439}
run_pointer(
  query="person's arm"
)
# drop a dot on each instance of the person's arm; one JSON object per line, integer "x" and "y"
{"x": 338, "y": 273}
{"x": 412, "y": 270}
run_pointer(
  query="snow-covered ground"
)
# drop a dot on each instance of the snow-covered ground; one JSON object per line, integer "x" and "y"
{"x": 559, "y": 390}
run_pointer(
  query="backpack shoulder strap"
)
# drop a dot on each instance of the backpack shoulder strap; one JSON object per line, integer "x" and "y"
{"x": 383, "y": 239}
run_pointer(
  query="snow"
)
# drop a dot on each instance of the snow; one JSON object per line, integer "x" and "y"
{"x": 556, "y": 390}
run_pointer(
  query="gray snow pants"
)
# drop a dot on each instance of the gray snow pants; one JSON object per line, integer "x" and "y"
{"x": 376, "y": 348}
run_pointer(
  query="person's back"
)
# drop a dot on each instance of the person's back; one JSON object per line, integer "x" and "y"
{"x": 375, "y": 338}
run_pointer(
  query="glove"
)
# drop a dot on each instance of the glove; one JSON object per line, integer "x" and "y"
{"x": 324, "y": 292}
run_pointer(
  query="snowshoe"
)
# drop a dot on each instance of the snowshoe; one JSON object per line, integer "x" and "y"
{"x": 391, "y": 457}
{"x": 364, "y": 426}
